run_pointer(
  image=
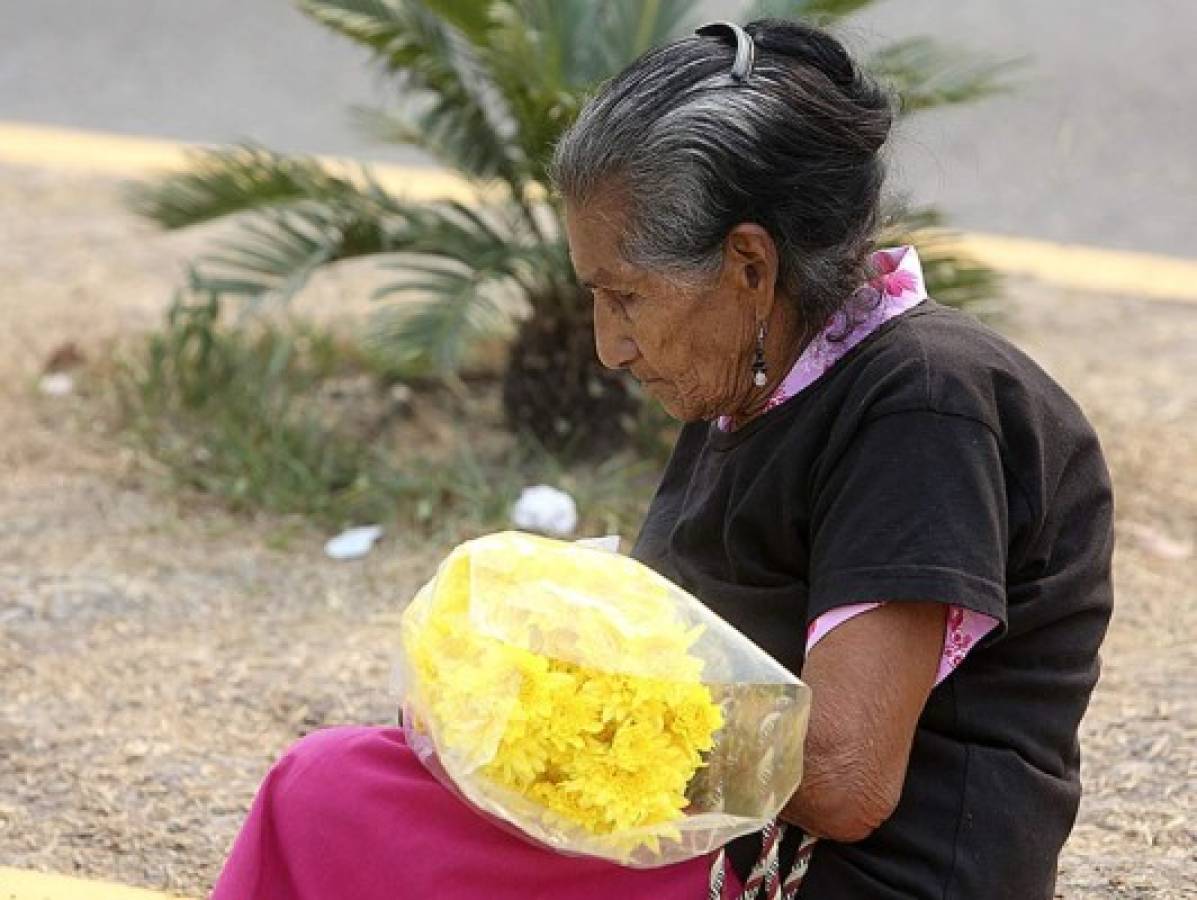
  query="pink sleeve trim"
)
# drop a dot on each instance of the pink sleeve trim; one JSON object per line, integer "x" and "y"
{"x": 963, "y": 630}
{"x": 834, "y": 618}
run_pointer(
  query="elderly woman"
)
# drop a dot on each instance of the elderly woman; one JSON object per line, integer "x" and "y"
{"x": 882, "y": 493}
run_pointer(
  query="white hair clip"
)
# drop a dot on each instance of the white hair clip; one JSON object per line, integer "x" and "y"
{"x": 745, "y": 48}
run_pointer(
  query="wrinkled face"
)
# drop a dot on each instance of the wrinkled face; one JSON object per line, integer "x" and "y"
{"x": 690, "y": 345}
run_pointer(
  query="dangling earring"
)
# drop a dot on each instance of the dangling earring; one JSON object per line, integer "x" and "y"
{"x": 759, "y": 376}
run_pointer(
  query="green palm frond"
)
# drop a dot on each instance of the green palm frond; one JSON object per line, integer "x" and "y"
{"x": 457, "y": 261}
{"x": 545, "y": 45}
{"x": 546, "y": 55}
{"x": 436, "y": 64}
{"x": 275, "y": 251}
{"x": 454, "y": 307}
{"x": 530, "y": 59}
{"x": 628, "y": 29}
{"x": 579, "y": 43}
{"x": 491, "y": 241}
{"x": 233, "y": 180}
{"x": 821, "y": 12}
{"x": 952, "y": 278}
{"x": 300, "y": 217}
{"x": 957, "y": 280}
{"x": 470, "y": 17}
{"x": 434, "y": 126}
{"x": 927, "y": 75}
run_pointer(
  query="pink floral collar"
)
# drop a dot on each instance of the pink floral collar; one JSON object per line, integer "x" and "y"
{"x": 900, "y": 283}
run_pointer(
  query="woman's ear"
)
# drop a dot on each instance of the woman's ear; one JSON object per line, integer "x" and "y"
{"x": 752, "y": 257}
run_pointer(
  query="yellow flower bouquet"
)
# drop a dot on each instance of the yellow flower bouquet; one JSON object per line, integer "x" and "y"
{"x": 580, "y": 698}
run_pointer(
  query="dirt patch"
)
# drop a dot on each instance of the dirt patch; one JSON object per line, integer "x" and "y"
{"x": 156, "y": 653}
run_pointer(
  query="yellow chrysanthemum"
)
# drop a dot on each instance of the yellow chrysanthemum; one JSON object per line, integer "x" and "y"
{"x": 564, "y": 675}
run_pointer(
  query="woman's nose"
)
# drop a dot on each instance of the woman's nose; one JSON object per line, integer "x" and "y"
{"x": 615, "y": 347}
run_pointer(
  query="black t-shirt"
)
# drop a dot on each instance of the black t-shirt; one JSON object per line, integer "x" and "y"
{"x": 935, "y": 461}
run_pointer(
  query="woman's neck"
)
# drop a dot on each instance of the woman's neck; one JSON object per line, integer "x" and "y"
{"x": 785, "y": 342}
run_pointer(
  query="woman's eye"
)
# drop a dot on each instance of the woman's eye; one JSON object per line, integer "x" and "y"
{"x": 617, "y": 300}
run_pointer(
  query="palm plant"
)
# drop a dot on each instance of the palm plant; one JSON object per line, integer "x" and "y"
{"x": 486, "y": 87}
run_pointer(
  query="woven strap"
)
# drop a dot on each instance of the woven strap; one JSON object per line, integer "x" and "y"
{"x": 793, "y": 881}
{"x": 765, "y": 874}
{"x": 718, "y": 875}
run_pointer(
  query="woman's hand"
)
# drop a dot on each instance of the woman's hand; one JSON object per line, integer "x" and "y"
{"x": 869, "y": 679}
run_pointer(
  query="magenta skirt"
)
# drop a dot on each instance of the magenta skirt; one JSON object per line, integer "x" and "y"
{"x": 352, "y": 813}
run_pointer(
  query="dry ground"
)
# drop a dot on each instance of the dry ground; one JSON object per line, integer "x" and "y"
{"x": 156, "y": 653}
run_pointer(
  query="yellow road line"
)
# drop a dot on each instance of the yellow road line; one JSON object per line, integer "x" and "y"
{"x": 1087, "y": 268}
{"x": 93, "y": 152}
{"x": 1071, "y": 266}
{"x": 19, "y": 884}
{"x": 65, "y": 148}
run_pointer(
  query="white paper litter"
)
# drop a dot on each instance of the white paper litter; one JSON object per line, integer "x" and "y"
{"x": 546, "y": 510}
{"x": 57, "y": 384}
{"x": 353, "y": 543}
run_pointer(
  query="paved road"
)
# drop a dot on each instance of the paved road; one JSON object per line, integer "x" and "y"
{"x": 1098, "y": 146}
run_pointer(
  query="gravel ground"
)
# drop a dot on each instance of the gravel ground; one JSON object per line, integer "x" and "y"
{"x": 156, "y": 653}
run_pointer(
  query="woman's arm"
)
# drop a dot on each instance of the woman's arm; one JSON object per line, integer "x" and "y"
{"x": 869, "y": 681}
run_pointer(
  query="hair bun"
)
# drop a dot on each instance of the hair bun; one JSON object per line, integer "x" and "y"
{"x": 820, "y": 51}
{"x": 809, "y": 45}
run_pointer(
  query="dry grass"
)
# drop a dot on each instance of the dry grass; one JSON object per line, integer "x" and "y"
{"x": 156, "y": 652}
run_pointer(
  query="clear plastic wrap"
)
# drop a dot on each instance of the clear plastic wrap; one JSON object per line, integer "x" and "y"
{"x": 593, "y": 706}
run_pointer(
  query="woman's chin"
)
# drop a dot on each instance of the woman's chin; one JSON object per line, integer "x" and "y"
{"x": 679, "y": 414}
{"x": 671, "y": 400}
{"x": 675, "y": 409}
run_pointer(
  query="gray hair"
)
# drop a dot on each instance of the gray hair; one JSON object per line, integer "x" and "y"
{"x": 694, "y": 151}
